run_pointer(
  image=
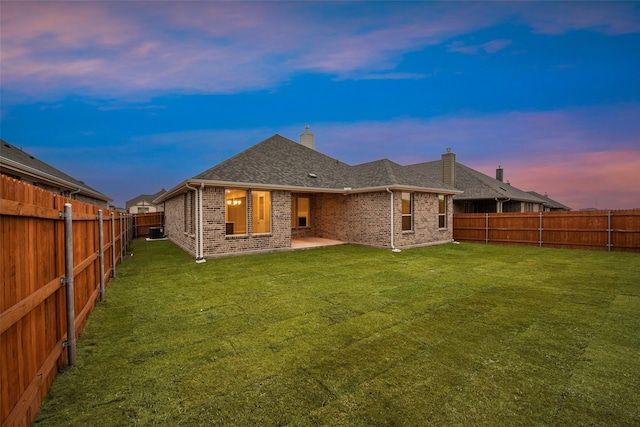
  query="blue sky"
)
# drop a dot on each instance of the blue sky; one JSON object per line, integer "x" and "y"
{"x": 134, "y": 96}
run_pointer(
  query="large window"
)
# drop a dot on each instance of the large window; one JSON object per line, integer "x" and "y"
{"x": 442, "y": 211}
{"x": 236, "y": 211}
{"x": 261, "y": 211}
{"x": 300, "y": 208}
{"x": 407, "y": 211}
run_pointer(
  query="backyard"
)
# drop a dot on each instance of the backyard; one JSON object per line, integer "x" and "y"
{"x": 466, "y": 334}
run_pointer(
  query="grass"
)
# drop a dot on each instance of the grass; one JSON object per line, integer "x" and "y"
{"x": 447, "y": 335}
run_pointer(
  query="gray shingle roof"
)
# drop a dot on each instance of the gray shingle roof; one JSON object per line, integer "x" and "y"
{"x": 283, "y": 162}
{"x": 13, "y": 159}
{"x": 550, "y": 202}
{"x": 478, "y": 186}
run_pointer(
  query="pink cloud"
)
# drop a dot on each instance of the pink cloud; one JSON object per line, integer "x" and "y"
{"x": 604, "y": 179}
{"x": 121, "y": 48}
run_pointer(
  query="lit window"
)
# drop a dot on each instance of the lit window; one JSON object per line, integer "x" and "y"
{"x": 261, "y": 211}
{"x": 236, "y": 211}
{"x": 300, "y": 212}
{"x": 407, "y": 211}
{"x": 442, "y": 211}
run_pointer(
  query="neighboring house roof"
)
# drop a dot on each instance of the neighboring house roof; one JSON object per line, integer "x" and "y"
{"x": 15, "y": 161}
{"x": 148, "y": 198}
{"x": 478, "y": 186}
{"x": 278, "y": 162}
{"x": 550, "y": 202}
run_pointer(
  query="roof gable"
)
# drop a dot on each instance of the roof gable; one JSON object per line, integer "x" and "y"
{"x": 144, "y": 198}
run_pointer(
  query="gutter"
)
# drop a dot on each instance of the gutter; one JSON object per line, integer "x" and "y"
{"x": 346, "y": 190}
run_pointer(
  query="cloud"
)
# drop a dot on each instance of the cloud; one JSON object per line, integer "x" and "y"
{"x": 560, "y": 17}
{"x": 492, "y": 46}
{"x": 115, "y": 49}
{"x": 602, "y": 179}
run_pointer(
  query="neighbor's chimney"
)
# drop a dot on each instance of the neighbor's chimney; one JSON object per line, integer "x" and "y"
{"x": 500, "y": 173}
{"x": 307, "y": 139}
{"x": 449, "y": 168}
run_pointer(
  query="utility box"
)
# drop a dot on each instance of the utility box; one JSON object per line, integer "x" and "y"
{"x": 155, "y": 233}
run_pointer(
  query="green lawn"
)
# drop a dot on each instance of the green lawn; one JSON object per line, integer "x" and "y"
{"x": 463, "y": 334}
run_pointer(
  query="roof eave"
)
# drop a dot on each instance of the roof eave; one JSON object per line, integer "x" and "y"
{"x": 184, "y": 187}
{"x": 50, "y": 179}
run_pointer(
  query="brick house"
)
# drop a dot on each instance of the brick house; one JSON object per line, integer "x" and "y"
{"x": 278, "y": 190}
{"x": 144, "y": 203}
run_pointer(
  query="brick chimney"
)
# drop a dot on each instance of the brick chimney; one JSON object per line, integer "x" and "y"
{"x": 449, "y": 168}
{"x": 500, "y": 173}
{"x": 307, "y": 138}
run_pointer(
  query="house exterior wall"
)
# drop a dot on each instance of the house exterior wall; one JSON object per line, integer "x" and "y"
{"x": 146, "y": 207}
{"x": 361, "y": 218}
{"x": 90, "y": 200}
{"x": 425, "y": 221}
{"x": 178, "y": 223}
{"x": 215, "y": 240}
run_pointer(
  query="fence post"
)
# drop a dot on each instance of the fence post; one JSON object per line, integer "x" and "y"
{"x": 68, "y": 280}
{"x": 113, "y": 244}
{"x": 101, "y": 253}
{"x": 122, "y": 242}
{"x": 608, "y": 231}
{"x": 540, "y": 228}
{"x": 486, "y": 229}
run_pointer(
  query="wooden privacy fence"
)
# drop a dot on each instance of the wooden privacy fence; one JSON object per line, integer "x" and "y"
{"x": 143, "y": 222}
{"x": 57, "y": 256}
{"x": 595, "y": 230}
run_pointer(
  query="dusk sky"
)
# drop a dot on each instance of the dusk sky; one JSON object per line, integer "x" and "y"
{"x": 134, "y": 96}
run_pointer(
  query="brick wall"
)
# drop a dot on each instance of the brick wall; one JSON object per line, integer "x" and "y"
{"x": 425, "y": 221}
{"x": 355, "y": 218}
{"x": 215, "y": 240}
{"x": 174, "y": 222}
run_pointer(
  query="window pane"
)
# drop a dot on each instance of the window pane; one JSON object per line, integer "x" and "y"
{"x": 261, "y": 211}
{"x": 406, "y": 204}
{"x": 406, "y": 223}
{"x": 442, "y": 211}
{"x": 236, "y": 211}
{"x": 407, "y": 211}
{"x": 302, "y": 208}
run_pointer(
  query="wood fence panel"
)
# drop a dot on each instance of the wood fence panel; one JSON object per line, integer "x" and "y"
{"x": 595, "y": 230}
{"x": 469, "y": 227}
{"x": 33, "y": 323}
{"x": 626, "y": 230}
{"x": 144, "y": 221}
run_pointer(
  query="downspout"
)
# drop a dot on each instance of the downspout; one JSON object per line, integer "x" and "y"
{"x": 393, "y": 247}
{"x": 201, "y": 226}
{"x": 71, "y": 194}
{"x": 197, "y": 234}
{"x": 501, "y": 203}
